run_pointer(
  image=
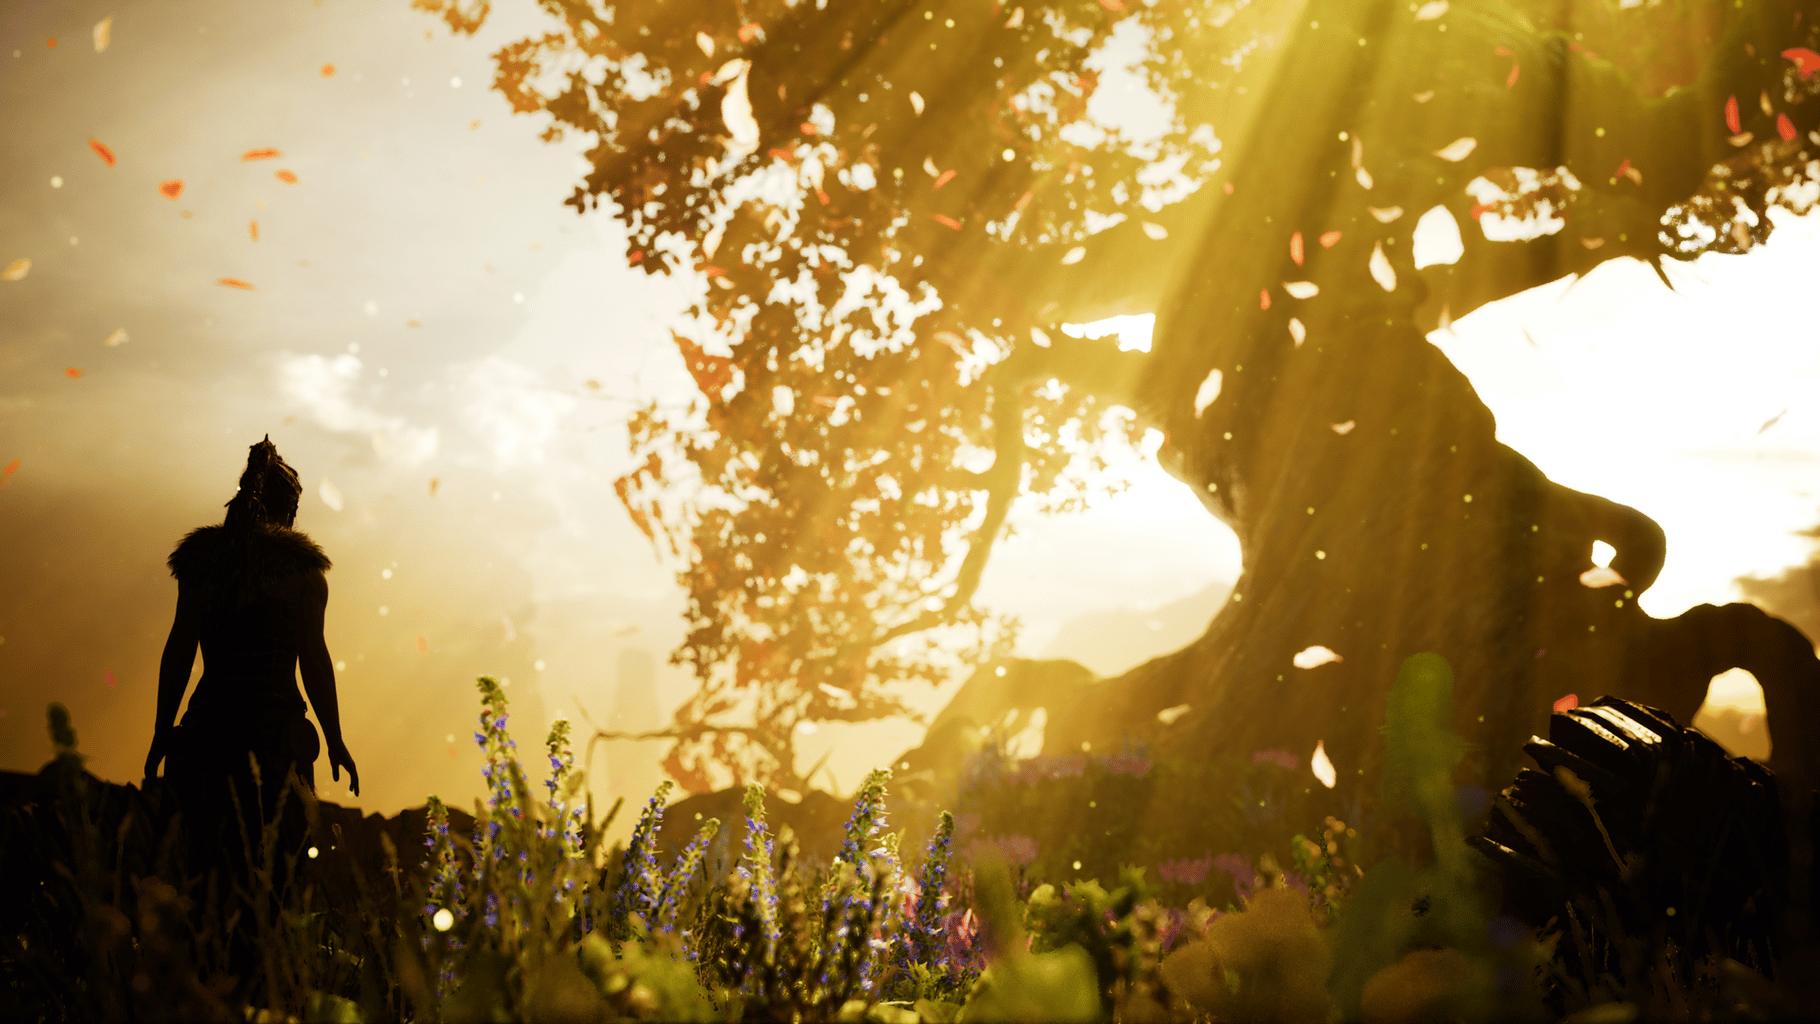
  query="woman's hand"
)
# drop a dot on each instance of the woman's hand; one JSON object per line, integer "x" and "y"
{"x": 340, "y": 758}
{"x": 156, "y": 754}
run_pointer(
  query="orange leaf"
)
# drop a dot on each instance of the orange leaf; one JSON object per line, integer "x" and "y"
{"x": 11, "y": 468}
{"x": 327, "y": 70}
{"x": 106, "y": 154}
{"x": 233, "y": 282}
{"x": 1022, "y": 201}
{"x": 823, "y": 196}
{"x": 1567, "y": 703}
{"x": 1511, "y": 81}
{"x": 1785, "y": 128}
{"x": 637, "y": 254}
{"x": 52, "y": 43}
{"x": 1731, "y": 115}
{"x": 748, "y": 31}
{"x": 1112, "y": 5}
{"x": 946, "y": 176}
{"x": 808, "y": 128}
{"x": 170, "y": 189}
{"x": 252, "y": 228}
{"x": 1228, "y": 187}
{"x": 1264, "y": 298}
{"x": 423, "y": 646}
{"x": 287, "y": 177}
{"x": 1328, "y": 239}
{"x": 946, "y": 221}
{"x": 1806, "y": 61}
{"x": 1295, "y": 248}
{"x": 259, "y": 154}
{"x": 72, "y": 373}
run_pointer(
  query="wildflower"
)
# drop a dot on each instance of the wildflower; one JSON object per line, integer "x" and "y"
{"x": 638, "y": 894}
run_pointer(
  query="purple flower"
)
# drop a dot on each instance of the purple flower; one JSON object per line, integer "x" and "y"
{"x": 1288, "y": 761}
{"x": 1187, "y": 872}
{"x": 1237, "y": 865}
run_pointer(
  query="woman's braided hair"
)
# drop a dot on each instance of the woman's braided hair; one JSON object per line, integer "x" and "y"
{"x": 267, "y": 497}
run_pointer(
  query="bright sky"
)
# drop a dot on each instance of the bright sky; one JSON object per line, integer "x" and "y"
{"x": 521, "y": 563}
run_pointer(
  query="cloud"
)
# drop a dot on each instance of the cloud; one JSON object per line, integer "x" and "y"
{"x": 510, "y": 408}
{"x": 322, "y": 389}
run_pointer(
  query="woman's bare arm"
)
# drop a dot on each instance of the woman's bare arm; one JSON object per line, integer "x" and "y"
{"x": 174, "y": 674}
{"x": 319, "y": 675}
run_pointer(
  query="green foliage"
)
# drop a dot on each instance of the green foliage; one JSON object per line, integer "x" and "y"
{"x": 1055, "y": 985}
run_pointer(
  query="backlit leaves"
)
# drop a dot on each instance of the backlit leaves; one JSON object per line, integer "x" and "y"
{"x": 106, "y": 154}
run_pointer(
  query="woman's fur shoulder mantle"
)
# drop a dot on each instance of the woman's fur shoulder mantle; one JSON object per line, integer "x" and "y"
{"x": 205, "y": 552}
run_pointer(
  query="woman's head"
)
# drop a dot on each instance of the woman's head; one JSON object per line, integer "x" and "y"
{"x": 269, "y": 490}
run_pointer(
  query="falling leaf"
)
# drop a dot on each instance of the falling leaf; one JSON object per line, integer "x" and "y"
{"x": 1424, "y": 97}
{"x": 1074, "y": 255}
{"x": 1295, "y": 248}
{"x": 252, "y": 228}
{"x": 106, "y": 675}
{"x": 328, "y": 70}
{"x": 1364, "y": 177}
{"x": 1168, "y": 716}
{"x": 1436, "y": 239}
{"x": 1156, "y": 231}
{"x": 916, "y": 101}
{"x": 1731, "y": 115}
{"x": 1301, "y": 289}
{"x": 1741, "y": 139}
{"x": 1592, "y": 243}
{"x": 51, "y": 42}
{"x": 1772, "y": 421}
{"x": 474, "y": 125}
{"x": 116, "y": 338}
{"x": 950, "y": 222}
{"x": 106, "y": 154}
{"x": 11, "y": 468}
{"x": 1314, "y": 657}
{"x": 1297, "y": 331}
{"x": 1264, "y": 298}
{"x": 414, "y": 323}
{"x": 423, "y": 646}
{"x": 1806, "y": 61}
{"x": 435, "y": 482}
{"x": 1601, "y": 576}
{"x": 945, "y": 177}
{"x": 1320, "y": 764}
{"x": 1785, "y": 128}
{"x": 1386, "y": 214}
{"x": 259, "y": 154}
{"x": 1510, "y": 81}
{"x": 1567, "y": 703}
{"x": 1358, "y": 152}
{"x": 285, "y": 176}
{"x": 233, "y": 282}
{"x": 749, "y": 31}
{"x": 171, "y": 189}
{"x": 1457, "y": 150}
{"x": 104, "y": 33}
{"x": 1113, "y": 5}
{"x": 1328, "y": 239}
{"x": 72, "y": 373}
{"x": 16, "y": 270}
{"x": 1209, "y": 390}
{"x": 1381, "y": 270}
{"x": 706, "y": 42}
{"x": 330, "y": 495}
{"x": 1227, "y": 186}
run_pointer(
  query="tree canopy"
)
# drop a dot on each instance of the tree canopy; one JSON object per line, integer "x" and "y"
{"x": 896, "y": 204}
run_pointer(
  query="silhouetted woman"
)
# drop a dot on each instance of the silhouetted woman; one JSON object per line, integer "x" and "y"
{"x": 251, "y": 592}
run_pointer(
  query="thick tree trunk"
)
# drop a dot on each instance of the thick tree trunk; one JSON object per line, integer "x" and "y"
{"x": 1414, "y": 530}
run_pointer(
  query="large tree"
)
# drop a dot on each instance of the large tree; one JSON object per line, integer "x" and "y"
{"x": 896, "y": 203}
